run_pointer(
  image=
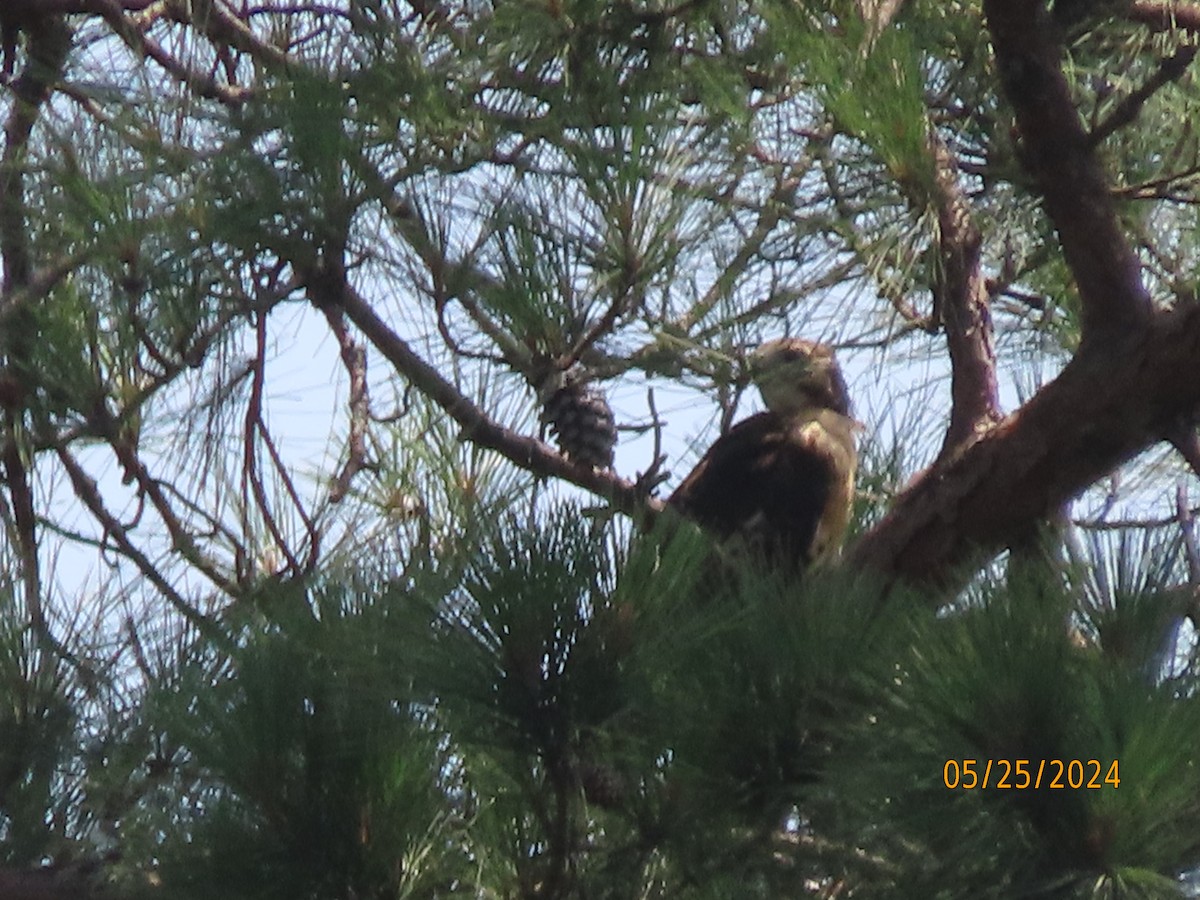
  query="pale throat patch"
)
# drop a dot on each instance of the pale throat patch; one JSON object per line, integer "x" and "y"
{"x": 831, "y": 435}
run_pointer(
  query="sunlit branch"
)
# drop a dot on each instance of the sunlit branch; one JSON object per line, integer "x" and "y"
{"x": 964, "y": 305}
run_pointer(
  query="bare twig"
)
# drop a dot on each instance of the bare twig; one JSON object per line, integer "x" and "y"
{"x": 139, "y": 652}
{"x": 126, "y": 451}
{"x": 649, "y": 480}
{"x": 1100, "y": 523}
{"x": 1185, "y": 516}
{"x": 354, "y": 358}
{"x": 252, "y": 480}
{"x": 288, "y": 484}
{"x": 89, "y": 494}
{"x": 135, "y": 37}
{"x": 223, "y": 28}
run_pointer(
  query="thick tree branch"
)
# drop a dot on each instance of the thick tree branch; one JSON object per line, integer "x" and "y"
{"x": 964, "y": 302}
{"x": 48, "y": 43}
{"x": 215, "y": 20}
{"x": 1163, "y": 15}
{"x": 1057, "y": 151}
{"x": 1127, "y": 387}
{"x": 24, "y": 517}
{"x": 24, "y": 11}
{"x": 48, "y": 46}
{"x": 1110, "y": 402}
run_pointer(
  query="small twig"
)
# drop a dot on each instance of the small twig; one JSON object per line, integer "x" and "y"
{"x": 603, "y": 326}
{"x": 89, "y": 494}
{"x": 125, "y": 449}
{"x": 649, "y": 480}
{"x": 1098, "y": 523}
{"x": 1169, "y": 70}
{"x": 289, "y": 486}
{"x": 139, "y": 652}
{"x": 252, "y": 480}
{"x": 24, "y": 519}
{"x": 354, "y": 358}
{"x": 135, "y": 37}
{"x": 223, "y": 28}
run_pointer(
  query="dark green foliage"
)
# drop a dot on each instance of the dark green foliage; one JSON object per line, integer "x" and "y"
{"x": 1007, "y": 680}
{"x": 562, "y": 713}
{"x": 311, "y": 769}
{"x": 543, "y": 705}
{"x": 574, "y": 721}
{"x": 37, "y": 721}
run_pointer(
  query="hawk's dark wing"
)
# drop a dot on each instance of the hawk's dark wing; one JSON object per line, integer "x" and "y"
{"x": 768, "y": 481}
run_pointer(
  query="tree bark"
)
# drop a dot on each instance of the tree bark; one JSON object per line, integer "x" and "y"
{"x": 1114, "y": 399}
{"x": 1132, "y": 382}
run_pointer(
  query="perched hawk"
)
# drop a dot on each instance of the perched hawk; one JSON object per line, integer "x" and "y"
{"x": 782, "y": 481}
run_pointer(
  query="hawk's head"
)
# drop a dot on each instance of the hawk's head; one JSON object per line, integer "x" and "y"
{"x": 796, "y": 376}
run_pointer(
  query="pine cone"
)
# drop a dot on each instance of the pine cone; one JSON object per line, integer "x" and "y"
{"x": 582, "y": 422}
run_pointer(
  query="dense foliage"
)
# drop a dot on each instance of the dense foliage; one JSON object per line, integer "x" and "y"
{"x": 294, "y": 601}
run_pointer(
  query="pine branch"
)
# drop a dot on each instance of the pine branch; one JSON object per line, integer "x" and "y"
{"x": 1113, "y": 400}
{"x": 964, "y": 303}
{"x": 1164, "y": 16}
{"x": 477, "y": 427}
{"x": 1057, "y": 151}
{"x": 1169, "y": 70}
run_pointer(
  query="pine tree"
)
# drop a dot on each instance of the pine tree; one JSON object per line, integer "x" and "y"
{"x": 264, "y": 636}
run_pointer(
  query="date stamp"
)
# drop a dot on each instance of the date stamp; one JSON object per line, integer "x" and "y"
{"x": 1029, "y": 774}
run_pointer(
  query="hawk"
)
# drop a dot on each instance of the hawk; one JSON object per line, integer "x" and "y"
{"x": 782, "y": 481}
